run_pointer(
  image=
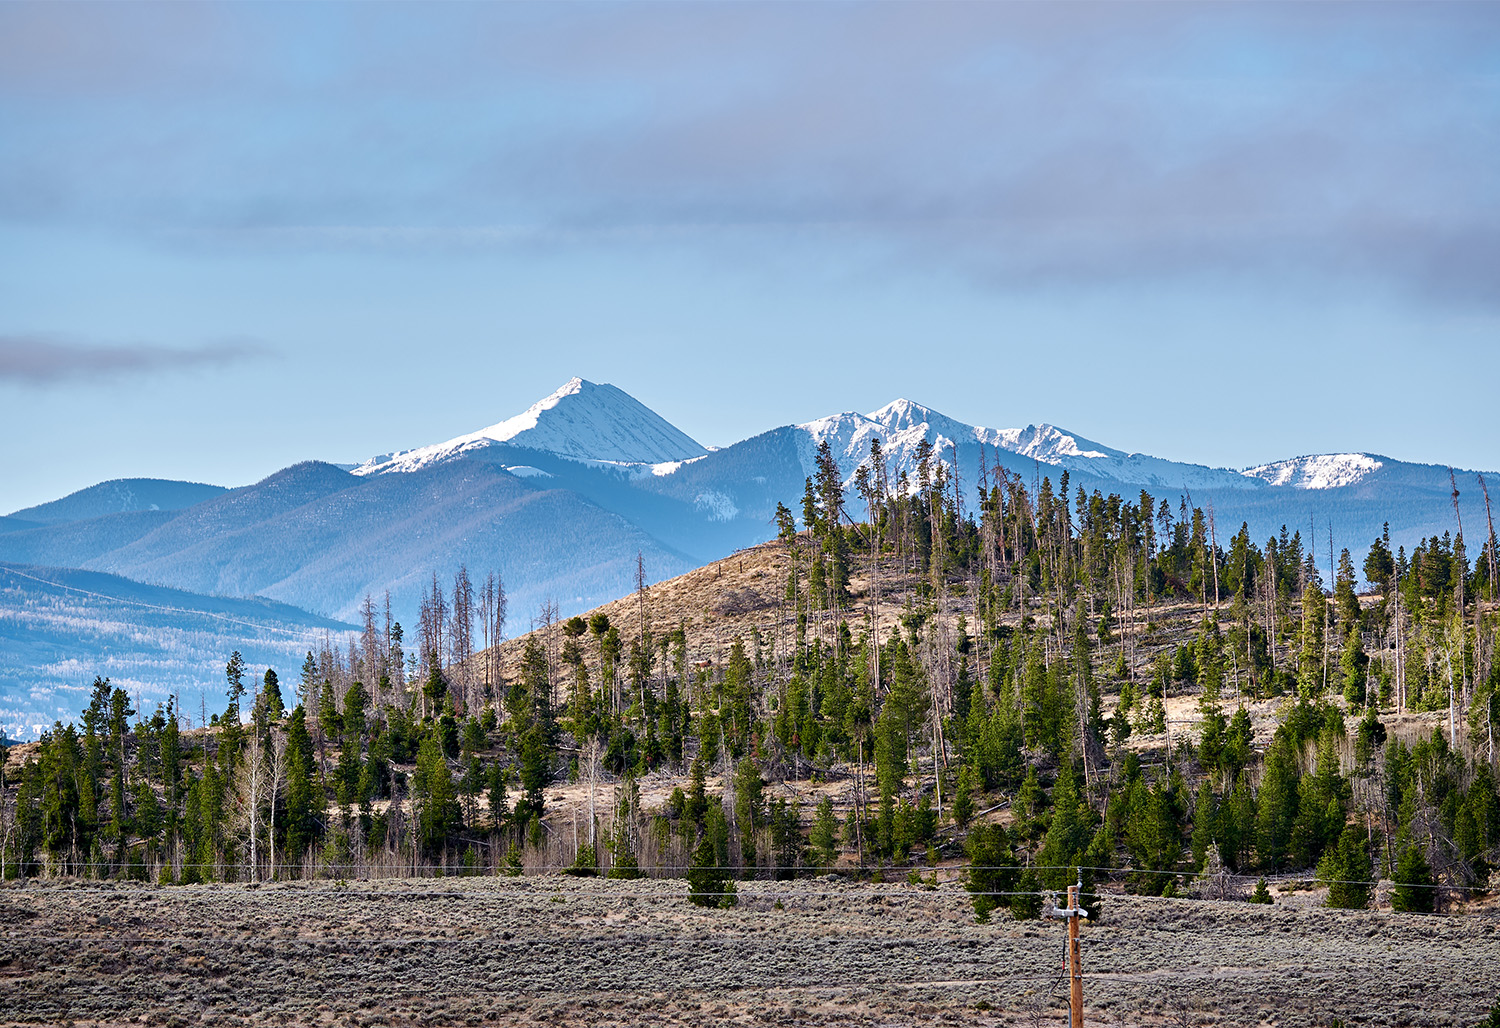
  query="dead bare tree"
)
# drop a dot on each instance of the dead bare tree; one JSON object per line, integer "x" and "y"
{"x": 372, "y": 652}
{"x": 494, "y": 587}
{"x": 588, "y": 765}
{"x": 249, "y": 792}
{"x": 461, "y": 635}
{"x": 7, "y": 816}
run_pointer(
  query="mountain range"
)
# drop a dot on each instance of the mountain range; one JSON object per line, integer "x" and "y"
{"x": 564, "y": 497}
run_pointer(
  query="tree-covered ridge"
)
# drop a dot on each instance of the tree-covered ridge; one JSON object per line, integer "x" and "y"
{"x": 1054, "y": 682}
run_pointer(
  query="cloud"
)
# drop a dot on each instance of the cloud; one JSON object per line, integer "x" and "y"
{"x": 1020, "y": 144}
{"x": 46, "y": 360}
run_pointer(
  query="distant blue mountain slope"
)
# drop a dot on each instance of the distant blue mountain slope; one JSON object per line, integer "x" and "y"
{"x": 75, "y": 543}
{"x": 321, "y": 538}
{"x": 119, "y": 496}
{"x": 59, "y": 627}
{"x": 10, "y": 524}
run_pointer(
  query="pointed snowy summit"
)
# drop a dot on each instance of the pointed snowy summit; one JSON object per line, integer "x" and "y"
{"x": 581, "y": 421}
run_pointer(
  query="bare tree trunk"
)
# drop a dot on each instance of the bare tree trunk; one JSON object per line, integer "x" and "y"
{"x": 278, "y": 775}
{"x": 1213, "y": 556}
{"x": 1400, "y": 659}
{"x": 7, "y": 823}
{"x": 590, "y": 762}
{"x": 248, "y": 790}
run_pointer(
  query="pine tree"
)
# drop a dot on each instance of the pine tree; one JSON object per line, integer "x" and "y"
{"x": 1068, "y": 834}
{"x": 1277, "y": 806}
{"x": 1414, "y": 890}
{"x": 275, "y": 705}
{"x": 438, "y": 812}
{"x": 1352, "y": 664}
{"x": 993, "y": 869}
{"x": 1205, "y": 822}
{"x": 824, "y": 836}
{"x": 963, "y": 797}
{"x": 709, "y": 883}
{"x": 1346, "y": 867}
{"x": 1310, "y": 658}
{"x": 749, "y": 788}
{"x": 301, "y": 828}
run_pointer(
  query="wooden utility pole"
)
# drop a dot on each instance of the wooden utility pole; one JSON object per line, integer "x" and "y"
{"x": 1073, "y": 912}
{"x": 1075, "y": 970}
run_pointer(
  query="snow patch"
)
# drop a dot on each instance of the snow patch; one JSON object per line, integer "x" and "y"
{"x": 1049, "y": 444}
{"x": 1321, "y": 471}
{"x": 716, "y": 505}
{"x": 527, "y": 471}
{"x": 670, "y": 467}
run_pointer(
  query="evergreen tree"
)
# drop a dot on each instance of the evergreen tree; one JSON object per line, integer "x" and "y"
{"x": 749, "y": 789}
{"x": 993, "y": 870}
{"x": 1414, "y": 891}
{"x": 1352, "y": 665}
{"x": 963, "y": 797}
{"x": 1346, "y": 867}
{"x": 709, "y": 882}
{"x": 1277, "y": 806}
{"x": 438, "y": 810}
{"x": 301, "y": 826}
{"x": 824, "y": 836}
{"x": 1068, "y": 834}
{"x": 275, "y": 705}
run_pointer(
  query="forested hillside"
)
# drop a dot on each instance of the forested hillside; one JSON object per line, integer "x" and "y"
{"x": 1041, "y": 683}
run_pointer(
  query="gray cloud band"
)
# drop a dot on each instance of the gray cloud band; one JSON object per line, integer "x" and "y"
{"x": 39, "y": 360}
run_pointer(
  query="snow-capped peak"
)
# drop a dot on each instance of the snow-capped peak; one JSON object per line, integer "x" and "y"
{"x": 1320, "y": 471}
{"x": 902, "y": 424}
{"x": 580, "y": 420}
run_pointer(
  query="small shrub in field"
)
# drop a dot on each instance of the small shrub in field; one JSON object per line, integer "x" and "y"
{"x": 513, "y": 862}
{"x": 585, "y": 865}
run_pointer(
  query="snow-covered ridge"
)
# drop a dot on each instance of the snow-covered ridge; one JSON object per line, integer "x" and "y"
{"x": 581, "y": 420}
{"x": 1049, "y": 444}
{"x": 902, "y": 424}
{"x": 602, "y": 426}
{"x": 1320, "y": 471}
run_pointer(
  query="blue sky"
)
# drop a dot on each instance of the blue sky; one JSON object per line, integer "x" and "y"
{"x": 237, "y": 236}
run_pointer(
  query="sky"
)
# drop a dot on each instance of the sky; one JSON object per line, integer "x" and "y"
{"x": 236, "y": 236}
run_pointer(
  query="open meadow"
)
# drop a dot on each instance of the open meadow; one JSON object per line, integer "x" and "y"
{"x": 562, "y": 951}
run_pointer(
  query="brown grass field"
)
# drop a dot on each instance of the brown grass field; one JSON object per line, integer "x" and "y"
{"x": 561, "y": 951}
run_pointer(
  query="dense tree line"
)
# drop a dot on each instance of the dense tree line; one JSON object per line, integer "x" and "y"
{"x": 1039, "y": 641}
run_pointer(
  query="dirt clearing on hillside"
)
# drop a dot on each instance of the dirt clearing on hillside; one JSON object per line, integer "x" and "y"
{"x": 560, "y": 951}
